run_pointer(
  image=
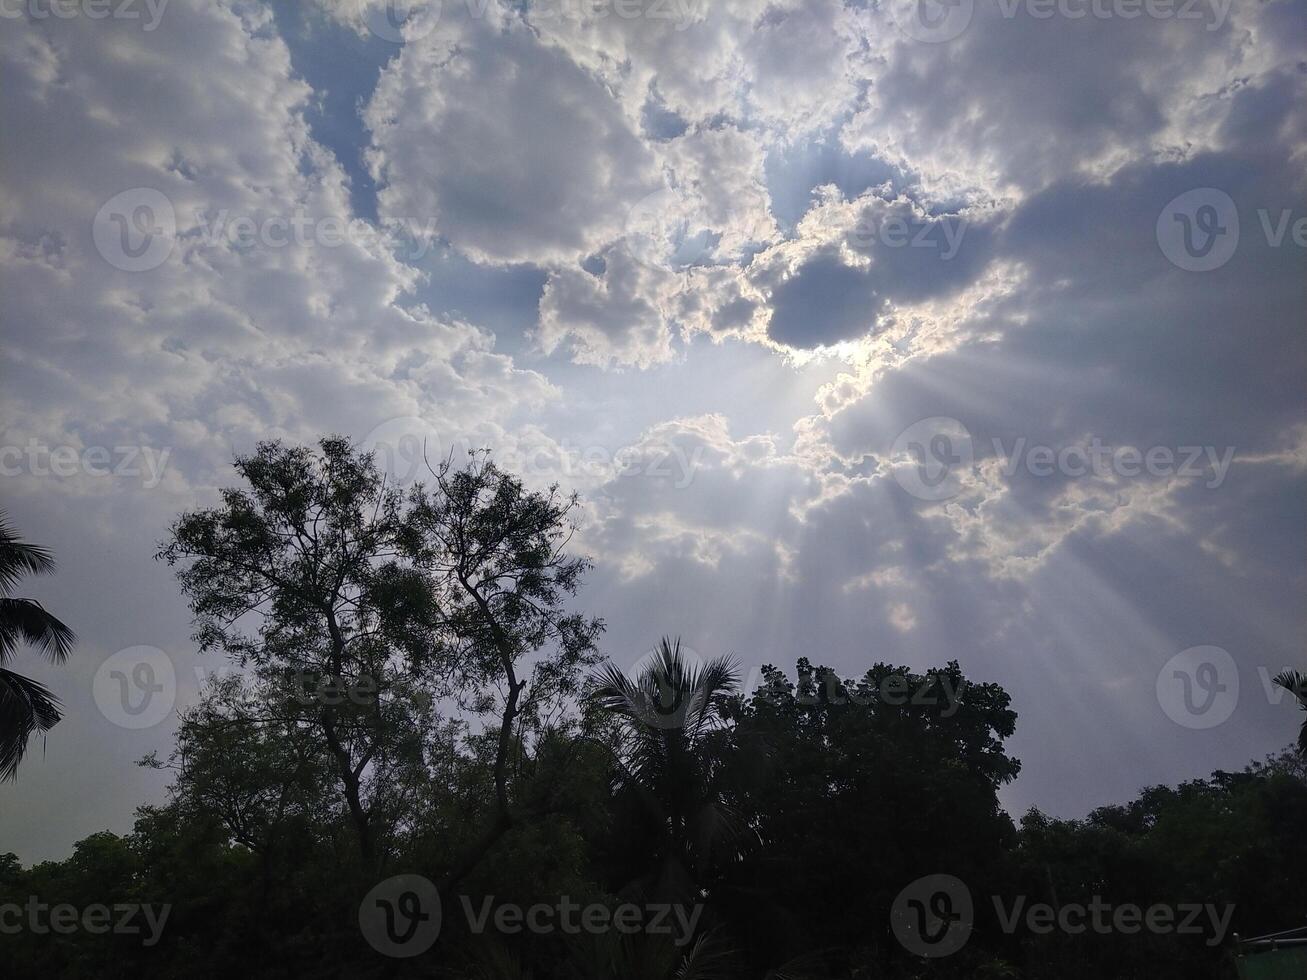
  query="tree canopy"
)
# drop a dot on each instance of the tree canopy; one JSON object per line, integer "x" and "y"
{"x": 418, "y": 699}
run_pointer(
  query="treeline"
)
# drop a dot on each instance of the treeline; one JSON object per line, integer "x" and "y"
{"x": 418, "y": 698}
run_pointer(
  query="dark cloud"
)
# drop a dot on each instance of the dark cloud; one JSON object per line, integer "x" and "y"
{"x": 824, "y": 302}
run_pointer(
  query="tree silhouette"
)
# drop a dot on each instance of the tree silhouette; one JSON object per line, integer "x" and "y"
{"x": 386, "y": 602}
{"x": 668, "y": 754}
{"x": 27, "y": 707}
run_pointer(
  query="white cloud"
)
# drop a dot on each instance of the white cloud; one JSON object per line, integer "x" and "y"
{"x": 517, "y": 154}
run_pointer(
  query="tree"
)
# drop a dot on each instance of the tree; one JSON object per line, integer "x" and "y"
{"x": 308, "y": 552}
{"x": 372, "y": 606}
{"x": 1233, "y": 840}
{"x": 27, "y": 707}
{"x": 670, "y": 753}
{"x": 498, "y": 556}
{"x": 853, "y": 788}
{"x": 1296, "y": 684}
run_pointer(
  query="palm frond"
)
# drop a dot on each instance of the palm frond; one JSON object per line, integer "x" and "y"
{"x": 613, "y": 691}
{"x": 27, "y": 708}
{"x": 670, "y": 692}
{"x": 707, "y": 959}
{"x": 18, "y": 558}
{"x": 25, "y": 620}
{"x": 806, "y": 966}
{"x": 1295, "y": 683}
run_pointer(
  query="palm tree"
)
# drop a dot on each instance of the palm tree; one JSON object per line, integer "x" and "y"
{"x": 670, "y": 717}
{"x": 26, "y": 707}
{"x": 1296, "y": 684}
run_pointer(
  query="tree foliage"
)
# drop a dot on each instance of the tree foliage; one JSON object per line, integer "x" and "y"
{"x": 27, "y": 707}
{"x": 413, "y": 692}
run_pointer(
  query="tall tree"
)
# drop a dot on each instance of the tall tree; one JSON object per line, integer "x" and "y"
{"x": 308, "y": 553}
{"x": 372, "y": 606}
{"x": 670, "y": 755}
{"x": 498, "y": 555}
{"x": 27, "y": 707}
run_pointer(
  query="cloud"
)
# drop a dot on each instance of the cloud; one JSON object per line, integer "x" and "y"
{"x": 516, "y": 153}
{"x": 726, "y": 199}
{"x": 824, "y": 301}
{"x": 975, "y": 114}
{"x": 614, "y": 316}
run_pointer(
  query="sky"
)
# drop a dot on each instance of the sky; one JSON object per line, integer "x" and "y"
{"x": 903, "y": 331}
